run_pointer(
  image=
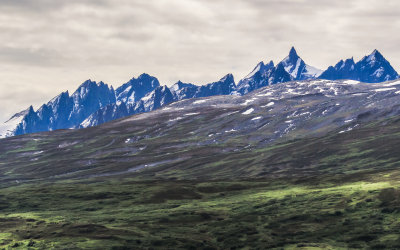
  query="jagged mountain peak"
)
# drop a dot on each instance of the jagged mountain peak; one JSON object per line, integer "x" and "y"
{"x": 144, "y": 75}
{"x": 228, "y": 78}
{"x": 350, "y": 60}
{"x": 376, "y": 52}
{"x": 270, "y": 64}
{"x": 297, "y": 68}
{"x": 345, "y": 64}
{"x": 260, "y": 68}
{"x": 373, "y": 68}
{"x": 256, "y": 69}
{"x": 90, "y": 82}
{"x": 20, "y": 114}
{"x": 179, "y": 84}
{"x": 182, "y": 90}
{"x": 344, "y": 69}
{"x": 142, "y": 79}
{"x": 146, "y": 79}
{"x": 9, "y": 127}
{"x": 62, "y": 95}
{"x": 262, "y": 75}
{"x": 375, "y": 56}
{"x": 136, "y": 88}
{"x": 31, "y": 110}
{"x": 90, "y": 86}
{"x": 98, "y": 102}
{"x": 293, "y": 53}
{"x": 292, "y": 57}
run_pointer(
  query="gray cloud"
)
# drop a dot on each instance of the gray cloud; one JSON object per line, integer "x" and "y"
{"x": 48, "y": 46}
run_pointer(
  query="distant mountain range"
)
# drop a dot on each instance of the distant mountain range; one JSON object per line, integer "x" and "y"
{"x": 370, "y": 69}
{"x": 95, "y": 103}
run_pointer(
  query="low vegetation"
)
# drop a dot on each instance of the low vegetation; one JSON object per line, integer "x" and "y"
{"x": 283, "y": 213}
{"x": 80, "y": 189}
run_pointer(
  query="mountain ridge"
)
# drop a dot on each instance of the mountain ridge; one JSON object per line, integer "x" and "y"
{"x": 226, "y": 127}
{"x": 94, "y": 103}
{"x": 373, "y": 68}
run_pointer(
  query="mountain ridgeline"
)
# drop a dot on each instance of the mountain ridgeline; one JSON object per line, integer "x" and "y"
{"x": 95, "y": 103}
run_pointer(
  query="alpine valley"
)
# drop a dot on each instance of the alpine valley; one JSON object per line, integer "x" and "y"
{"x": 290, "y": 157}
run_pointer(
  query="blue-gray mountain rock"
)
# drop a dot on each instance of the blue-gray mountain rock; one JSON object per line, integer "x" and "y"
{"x": 263, "y": 75}
{"x": 96, "y": 103}
{"x": 290, "y": 68}
{"x": 183, "y": 91}
{"x": 89, "y": 98}
{"x": 297, "y": 68}
{"x": 135, "y": 89}
{"x": 225, "y": 86}
{"x": 108, "y": 113}
{"x": 342, "y": 70}
{"x": 157, "y": 98}
{"x": 66, "y": 111}
{"x": 370, "y": 69}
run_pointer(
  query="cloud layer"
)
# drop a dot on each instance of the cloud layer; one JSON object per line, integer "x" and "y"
{"x": 48, "y": 46}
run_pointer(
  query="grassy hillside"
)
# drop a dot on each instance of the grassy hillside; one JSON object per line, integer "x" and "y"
{"x": 290, "y": 129}
{"x": 100, "y": 153}
{"x": 356, "y": 212}
{"x": 339, "y": 191}
{"x": 210, "y": 178}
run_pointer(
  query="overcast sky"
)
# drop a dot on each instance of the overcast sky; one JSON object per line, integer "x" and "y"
{"x": 49, "y": 46}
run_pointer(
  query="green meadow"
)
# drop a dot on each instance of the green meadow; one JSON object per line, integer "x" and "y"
{"x": 246, "y": 214}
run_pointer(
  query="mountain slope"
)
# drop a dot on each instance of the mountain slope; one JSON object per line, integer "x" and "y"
{"x": 188, "y": 138}
{"x": 216, "y": 172}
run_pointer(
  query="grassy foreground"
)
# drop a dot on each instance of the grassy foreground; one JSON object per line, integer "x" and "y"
{"x": 358, "y": 211}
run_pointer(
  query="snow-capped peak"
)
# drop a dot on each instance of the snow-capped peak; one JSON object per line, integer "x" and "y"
{"x": 8, "y": 128}
{"x": 372, "y": 68}
{"x": 373, "y": 57}
{"x": 297, "y": 68}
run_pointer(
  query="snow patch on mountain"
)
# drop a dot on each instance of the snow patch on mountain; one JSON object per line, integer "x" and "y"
{"x": 384, "y": 89}
{"x": 200, "y": 102}
{"x": 8, "y": 128}
{"x": 257, "y": 118}
{"x": 248, "y": 112}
